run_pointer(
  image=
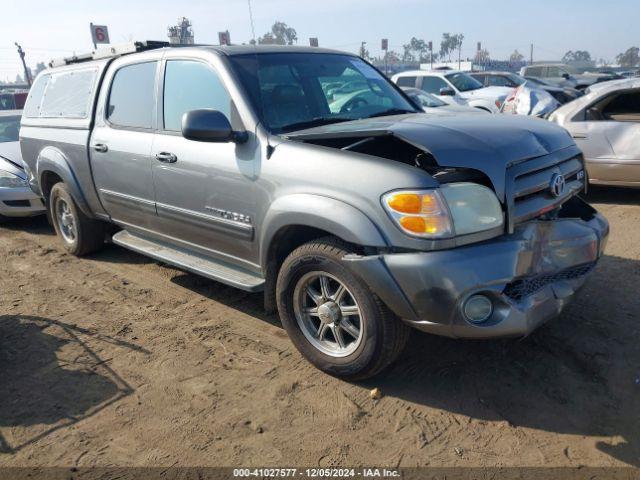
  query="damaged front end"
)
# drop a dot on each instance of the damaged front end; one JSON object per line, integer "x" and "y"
{"x": 503, "y": 284}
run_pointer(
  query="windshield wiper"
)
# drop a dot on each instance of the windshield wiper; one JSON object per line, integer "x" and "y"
{"x": 391, "y": 111}
{"x": 314, "y": 122}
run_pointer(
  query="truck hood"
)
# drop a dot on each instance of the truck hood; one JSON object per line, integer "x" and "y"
{"x": 488, "y": 143}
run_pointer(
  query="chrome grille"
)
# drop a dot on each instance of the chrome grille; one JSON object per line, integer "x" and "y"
{"x": 529, "y": 194}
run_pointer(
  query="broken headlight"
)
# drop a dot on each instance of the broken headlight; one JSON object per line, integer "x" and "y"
{"x": 453, "y": 209}
{"x": 9, "y": 180}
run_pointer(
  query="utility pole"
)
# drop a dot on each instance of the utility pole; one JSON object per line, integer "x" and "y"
{"x": 431, "y": 53}
{"x": 27, "y": 77}
{"x": 531, "y": 55}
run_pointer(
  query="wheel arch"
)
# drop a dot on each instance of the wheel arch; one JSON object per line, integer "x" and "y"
{"x": 52, "y": 167}
{"x": 297, "y": 219}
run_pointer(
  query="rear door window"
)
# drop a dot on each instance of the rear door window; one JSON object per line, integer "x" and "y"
{"x": 406, "y": 81}
{"x": 191, "y": 85}
{"x": 132, "y": 97}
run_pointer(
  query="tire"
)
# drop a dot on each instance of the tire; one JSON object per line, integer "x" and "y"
{"x": 81, "y": 237}
{"x": 381, "y": 335}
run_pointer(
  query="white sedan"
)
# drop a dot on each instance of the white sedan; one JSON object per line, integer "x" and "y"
{"x": 454, "y": 87}
{"x": 605, "y": 124}
{"x": 432, "y": 104}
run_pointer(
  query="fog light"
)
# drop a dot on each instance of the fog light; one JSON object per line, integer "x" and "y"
{"x": 477, "y": 308}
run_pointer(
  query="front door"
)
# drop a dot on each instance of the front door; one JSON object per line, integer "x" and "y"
{"x": 203, "y": 190}
{"x": 120, "y": 146}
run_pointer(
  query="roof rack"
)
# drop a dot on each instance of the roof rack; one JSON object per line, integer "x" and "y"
{"x": 109, "y": 52}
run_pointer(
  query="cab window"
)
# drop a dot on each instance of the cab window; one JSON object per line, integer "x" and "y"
{"x": 191, "y": 85}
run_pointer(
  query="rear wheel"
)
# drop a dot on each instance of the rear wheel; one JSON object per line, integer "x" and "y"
{"x": 332, "y": 317}
{"x": 80, "y": 234}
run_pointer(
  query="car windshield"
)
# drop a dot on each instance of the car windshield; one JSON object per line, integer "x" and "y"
{"x": 516, "y": 79}
{"x": 428, "y": 100}
{"x": 293, "y": 91}
{"x": 9, "y": 128}
{"x": 463, "y": 82}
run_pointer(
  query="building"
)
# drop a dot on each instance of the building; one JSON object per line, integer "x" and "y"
{"x": 182, "y": 33}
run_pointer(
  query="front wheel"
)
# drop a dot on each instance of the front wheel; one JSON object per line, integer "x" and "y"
{"x": 80, "y": 234}
{"x": 332, "y": 317}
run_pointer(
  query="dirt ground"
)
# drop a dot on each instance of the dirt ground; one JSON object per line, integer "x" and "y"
{"x": 118, "y": 360}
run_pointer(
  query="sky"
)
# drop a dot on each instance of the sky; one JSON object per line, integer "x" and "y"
{"x": 51, "y": 28}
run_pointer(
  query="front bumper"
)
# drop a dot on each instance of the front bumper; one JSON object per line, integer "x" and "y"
{"x": 20, "y": 202}
{"x": 529, "y": 276}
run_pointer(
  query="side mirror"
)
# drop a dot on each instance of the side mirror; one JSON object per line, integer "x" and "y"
{"x": 566, "y": 76}
{"x": 208, "y": 125}
{"x": 447, "y": 92}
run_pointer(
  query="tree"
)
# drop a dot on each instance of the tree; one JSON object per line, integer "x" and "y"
{"x": 516, "y": 57}
{"x": 364, "y": 53}
{"x": 417, "y": 50}
{"x": 450, "y": 43}
{"x": 577, "y": 56}
{"x": 393, "y": 57}
{"x": 630, "y": 58}
{"x": 40, "y": 66}
{"x": 280, "y": 34}
{"x": 482, "y": 56}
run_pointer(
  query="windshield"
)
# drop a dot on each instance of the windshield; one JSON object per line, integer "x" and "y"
{"x": 428, "y": 100}
{"x": 293, "y": 91}
{"x": 9, "y": 128}
{"x": 516, "y": 79}
{"x": 463, "y": 82}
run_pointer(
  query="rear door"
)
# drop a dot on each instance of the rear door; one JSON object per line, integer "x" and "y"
{"x": 120, "y": 146}
{"x": 624, "y": 133}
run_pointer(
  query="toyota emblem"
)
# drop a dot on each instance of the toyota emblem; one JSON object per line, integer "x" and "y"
{"x": 556, "y": 186}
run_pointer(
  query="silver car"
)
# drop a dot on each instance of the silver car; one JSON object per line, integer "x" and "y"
{"x": 605, "y": 124}
{"x": 16, "y": 198}
{"x": 356, "y": 223}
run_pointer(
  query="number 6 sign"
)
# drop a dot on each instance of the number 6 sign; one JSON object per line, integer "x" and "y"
{"x": 99, "y": 34}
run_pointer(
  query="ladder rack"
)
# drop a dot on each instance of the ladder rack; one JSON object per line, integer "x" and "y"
{"x": 109, "y": 52}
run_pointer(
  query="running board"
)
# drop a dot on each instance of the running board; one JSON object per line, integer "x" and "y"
{"x": 215, "y": 270}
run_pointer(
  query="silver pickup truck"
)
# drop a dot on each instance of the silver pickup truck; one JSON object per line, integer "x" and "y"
{"x": 305, "y": 174}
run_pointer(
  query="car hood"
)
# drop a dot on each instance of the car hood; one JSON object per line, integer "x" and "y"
{"x": 489, "y": 143}
{"x": 11, "y": 159}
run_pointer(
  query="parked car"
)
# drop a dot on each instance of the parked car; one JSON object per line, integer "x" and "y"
{"x": 10, "y": 100}
{"x": 606, "y": 126}
{"x": 356, "y": 225}
{"x": 432, "y": 104}
{"x": 16, "y": 198}
{"x": 454, "y": 87}
{"x": 562, "y": 75}
{"x": 512, "y": 80}
{"x": 531, "y": 101}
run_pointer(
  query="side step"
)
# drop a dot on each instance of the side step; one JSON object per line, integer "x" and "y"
{"x": 215, "y": 270}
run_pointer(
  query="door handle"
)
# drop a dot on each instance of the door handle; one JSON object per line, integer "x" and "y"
{"x": 100, "y": 147}
{"x": 579, "y": 135}
{"x": 166, "y": 157}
